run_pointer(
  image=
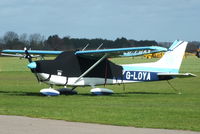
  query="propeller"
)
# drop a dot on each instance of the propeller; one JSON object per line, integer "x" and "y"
{"x": 27, "y": 55}
{"x": 32, "y": 65}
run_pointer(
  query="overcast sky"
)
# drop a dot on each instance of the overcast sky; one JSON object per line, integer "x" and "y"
{"x": 160, "y": 20}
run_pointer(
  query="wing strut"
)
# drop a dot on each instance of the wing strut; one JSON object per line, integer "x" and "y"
{"x": 99, "y": 46}
{"x": 85, "y": 47}
{"x": 93, "y": 66}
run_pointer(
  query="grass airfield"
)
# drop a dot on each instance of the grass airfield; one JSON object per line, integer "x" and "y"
{"x": 148, "y": 104}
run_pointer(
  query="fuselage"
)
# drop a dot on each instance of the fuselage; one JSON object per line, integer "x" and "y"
{"x": 128, "y": 76}
{"x": 74, "y": 70}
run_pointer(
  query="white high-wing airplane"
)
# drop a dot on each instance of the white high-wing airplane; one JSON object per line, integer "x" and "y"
{"x": 91, "y": 67}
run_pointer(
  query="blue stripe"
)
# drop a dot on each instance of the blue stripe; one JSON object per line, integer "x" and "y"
{"x": 150, "y": 69}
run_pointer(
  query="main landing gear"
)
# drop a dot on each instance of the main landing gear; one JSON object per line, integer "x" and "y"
{"x": 52, "y": 92}
{"x": 68, "y": 91}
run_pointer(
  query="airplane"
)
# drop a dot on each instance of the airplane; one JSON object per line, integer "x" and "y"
{"x": 93, "y": 68}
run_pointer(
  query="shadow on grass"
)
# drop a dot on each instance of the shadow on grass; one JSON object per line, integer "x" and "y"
{"x": 18, "y": 93}
{"x": 124, "y": 94}
{"x": 145, "y": 93}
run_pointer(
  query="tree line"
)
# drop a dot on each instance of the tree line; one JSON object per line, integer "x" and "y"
{"x": 11, "y": 40}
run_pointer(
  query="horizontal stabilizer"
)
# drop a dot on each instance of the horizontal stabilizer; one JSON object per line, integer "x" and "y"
{"x": 178, "y": 75}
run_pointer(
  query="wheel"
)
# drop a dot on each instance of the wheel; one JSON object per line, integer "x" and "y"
{"x": 67, "y": 91}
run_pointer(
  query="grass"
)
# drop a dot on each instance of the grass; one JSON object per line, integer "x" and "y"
{"x": 151, "y": 104}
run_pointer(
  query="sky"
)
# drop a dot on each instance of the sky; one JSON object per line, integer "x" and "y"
{"x": 160, "y": 20}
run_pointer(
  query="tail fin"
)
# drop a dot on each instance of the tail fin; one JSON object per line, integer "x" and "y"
{"x": 174, "y": 56}
{"x": 169, "y": 63}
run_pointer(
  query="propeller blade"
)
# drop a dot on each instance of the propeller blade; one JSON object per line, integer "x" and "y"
{"x": 28, "y": 56}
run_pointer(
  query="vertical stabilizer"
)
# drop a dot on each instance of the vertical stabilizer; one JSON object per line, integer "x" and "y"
{"x": 169, "y": 63}
{"x": 174, "y": 56}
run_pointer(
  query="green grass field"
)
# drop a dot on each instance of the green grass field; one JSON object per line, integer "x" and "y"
{"x": 150, "y": 105}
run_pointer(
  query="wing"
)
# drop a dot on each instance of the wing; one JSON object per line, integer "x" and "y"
{"x": 132, "y": 51}
{"x": 35, "y": 52}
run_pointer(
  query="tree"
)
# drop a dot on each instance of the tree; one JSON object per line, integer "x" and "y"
{"x": 67, "y": 44}
{"x": 123, "y": 42}
{"x": 11, "y": 40}
{"x": 36, "y": 41}
{"x": 24, "y": 39}
{"x": 1, "y": 44}
{"x": 10, "y": 36}
{"x": 53, "y": 42}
